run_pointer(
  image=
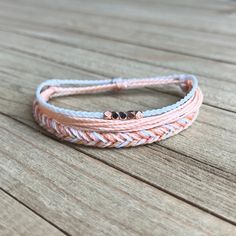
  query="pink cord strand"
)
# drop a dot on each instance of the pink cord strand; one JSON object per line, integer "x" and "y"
{"x": 116, "y": 133}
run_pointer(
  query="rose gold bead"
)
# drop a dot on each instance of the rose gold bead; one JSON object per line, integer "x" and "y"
{"x": 107, "y": 115}
{"x": 122, "y": 115}
{"x": 114, "y": 115}
{"x": 134, "y": 115}
{"x": 138, "y": 115}
{"x": 131, "y": 115}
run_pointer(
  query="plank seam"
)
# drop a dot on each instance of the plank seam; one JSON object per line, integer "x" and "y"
{"x": 199, "y": 161}
{"x": 80, "y": 68}
{"x": 163, "y": 190}
{"x": 129, "y": 174}
{"x": 167, "y": 25}
{"x": 34, "y": 212}
{"x": 116, "y": 56}
{"x": 131, "y": 43}
{"x": 110, "y": 54}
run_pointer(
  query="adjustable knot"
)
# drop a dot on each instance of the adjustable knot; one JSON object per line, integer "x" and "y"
{"x": 119, "y": 84}
{"x": 186, "y": 86}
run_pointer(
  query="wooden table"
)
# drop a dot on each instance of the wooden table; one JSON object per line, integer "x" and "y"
{"x": 185, "y": 185}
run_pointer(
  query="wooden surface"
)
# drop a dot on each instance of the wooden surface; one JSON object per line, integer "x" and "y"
{"x": 185, "y": 185}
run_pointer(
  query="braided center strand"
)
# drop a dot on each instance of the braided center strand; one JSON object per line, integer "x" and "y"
{"x": 100, "y": 129}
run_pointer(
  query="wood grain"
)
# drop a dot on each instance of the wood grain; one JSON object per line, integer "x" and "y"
{"x": 97, "y": 63}
{"x": 17, "y": 220}
{"x": 156, "y": 57}
{"x": 172, "y": 39}
{"x": 86, "y": 197}
{"x": 182, "y": 16}
{"x": 211, "y": 167}
{"x": 183, "y": 186}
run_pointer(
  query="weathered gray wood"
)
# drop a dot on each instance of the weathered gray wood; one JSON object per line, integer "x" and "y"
{"x": 161, "y": 58}
{"x": 155, "y": 12}
{"x": 86, "y": 197}
{"x": 213, "y": 166}
{"x": 98, "y": 63}
{"x": 201, "y": 4}
{"x": 101, "y": 191}
{"x": 17, "y": 220}
{"x": 201, "y": 44}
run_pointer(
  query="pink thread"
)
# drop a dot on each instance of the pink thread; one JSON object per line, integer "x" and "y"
{"x": 117, "y": 133}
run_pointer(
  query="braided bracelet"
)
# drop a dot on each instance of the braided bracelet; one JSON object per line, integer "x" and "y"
{"x": 116, "y": 128}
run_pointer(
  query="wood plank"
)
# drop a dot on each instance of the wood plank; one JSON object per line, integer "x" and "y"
{"x": 201, "y": 4}
{"x": 98, "y": 63}
{"x": 182, "y": 63}
{"x": 190, "y": 18}
{"x": 204, "y": 176}
{"x": 17, "y": 220}
{"x": 60, "y": 184}
{"x": 197, "y": 175}
{"x": 200, "y": 44}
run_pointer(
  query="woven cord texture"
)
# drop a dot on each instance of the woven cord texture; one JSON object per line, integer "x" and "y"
{"x": 116, "y": 133}
{"x": 115, "y": 139}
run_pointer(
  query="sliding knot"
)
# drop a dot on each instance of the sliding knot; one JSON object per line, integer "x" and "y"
{"x": 119, "y": 84}
{"x": 186, "y": 86}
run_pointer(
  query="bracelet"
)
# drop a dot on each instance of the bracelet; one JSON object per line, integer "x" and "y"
{"x": 116, "y": 128}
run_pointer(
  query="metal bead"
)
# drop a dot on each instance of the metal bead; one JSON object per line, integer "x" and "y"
{"x": 107, "y": 115}
{"x": 114, "y": 115}
{"x": 122, "y": 115}
{"x": 138, "y": 115}
{"x": 129, "y": 115}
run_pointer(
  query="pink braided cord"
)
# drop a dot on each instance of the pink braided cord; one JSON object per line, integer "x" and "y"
{"x": 117, "y": 133}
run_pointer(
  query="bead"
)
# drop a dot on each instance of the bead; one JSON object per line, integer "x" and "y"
{"x": 107, "y": 115}
{"x": 139, "y": 115}
{"x": 122, "y": 115}
{"x": 114, "y": 115}
{"x": 129, "y": 115}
